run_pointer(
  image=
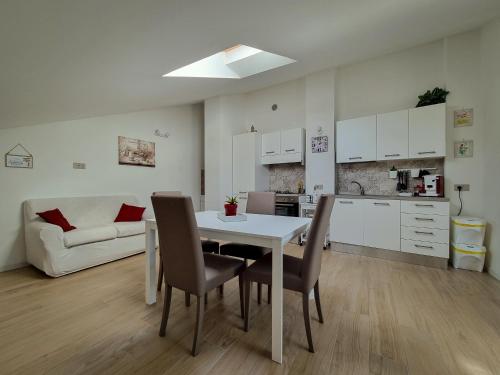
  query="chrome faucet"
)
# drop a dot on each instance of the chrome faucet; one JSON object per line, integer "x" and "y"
{"x": 361, "y": 188}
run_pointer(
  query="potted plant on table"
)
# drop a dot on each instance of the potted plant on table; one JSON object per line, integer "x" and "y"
{"x": 231, "y": 206}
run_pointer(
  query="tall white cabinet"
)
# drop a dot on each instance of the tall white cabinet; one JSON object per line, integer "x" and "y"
{"x": 357, "y": 140}
{"x": 248, "y": 173}
{"x": 427, "y": 131}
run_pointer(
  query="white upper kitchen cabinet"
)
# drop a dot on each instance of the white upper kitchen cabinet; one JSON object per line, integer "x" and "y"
{"x": 292, "y": 141}
{"x": 357, "y": 140}
{"x": 347, "y": 221}
{"x": 427, "y": 132}
{"x": 271, "y": 144}
{"x": 248, "y": 173}
{"x": 382, "y": 223}
{"x": 392, "y": 135}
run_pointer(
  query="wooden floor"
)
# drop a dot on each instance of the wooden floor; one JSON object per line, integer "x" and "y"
{"x": 381, "y": 317}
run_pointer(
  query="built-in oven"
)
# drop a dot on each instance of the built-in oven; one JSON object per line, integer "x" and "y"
{"x": 287, "y": 209}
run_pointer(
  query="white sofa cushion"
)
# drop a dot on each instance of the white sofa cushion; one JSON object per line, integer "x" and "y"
{"x": 88, "y": 235}
{"x": 130, "y": 228}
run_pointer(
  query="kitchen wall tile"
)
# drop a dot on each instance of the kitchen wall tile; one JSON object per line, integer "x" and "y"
{"x": 374, "y": 176}
{"x": 286, "y": 177}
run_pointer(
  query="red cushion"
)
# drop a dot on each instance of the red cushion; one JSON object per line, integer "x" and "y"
{"x": 57, "y": 218}
{"x": 130, "y": 213}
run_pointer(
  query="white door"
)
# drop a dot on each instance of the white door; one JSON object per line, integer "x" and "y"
{"x": 243, "y": 167}
{"x": 347, "y": 221}
{"x": 382, "y": 224}
{"x": 291, "y": 141}
{"x": 357, "y": 140}
{"x": 392, "y": 135}
{"x": 271, "y": 144}
{"x": 427, "y": 131}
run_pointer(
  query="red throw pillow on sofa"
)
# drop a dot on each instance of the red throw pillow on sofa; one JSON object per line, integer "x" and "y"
{"x": 130, "y": 213}
{"x": 57, "y": 218}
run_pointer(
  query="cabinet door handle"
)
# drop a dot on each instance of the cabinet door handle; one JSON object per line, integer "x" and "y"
{"x": 423, "y": 219}
{"x": 424, "y": 247}
{"x": 290, "y": 150}
{"x": 346, "y": 202}
{"x": 392, "y": 155}
{"x": 269, "y": 152}
{"x": 424, "y": 205}
{"x": 243, "y": 192}
{"x": 420, "y": 232}
{"x": 356, "y": 158}
{"x": 381, "y": 204}
{"x": 426, "y": 152}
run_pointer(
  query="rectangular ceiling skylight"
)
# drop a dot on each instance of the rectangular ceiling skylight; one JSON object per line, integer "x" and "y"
{"x": 236, "y": 62}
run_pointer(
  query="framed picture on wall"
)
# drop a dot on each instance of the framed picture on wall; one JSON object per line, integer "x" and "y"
{"x": 319, "y": 144}
{"x": 464, "y": 149}
{"x": 463, "y": 117}
{"x": 18, "y": 157}
{"x": 136, "y": 152}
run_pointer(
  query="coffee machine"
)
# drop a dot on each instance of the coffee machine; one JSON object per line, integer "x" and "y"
{"x": 434, "y": 185}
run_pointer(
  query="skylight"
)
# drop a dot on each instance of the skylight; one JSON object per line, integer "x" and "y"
{"x": 236, "y": 62}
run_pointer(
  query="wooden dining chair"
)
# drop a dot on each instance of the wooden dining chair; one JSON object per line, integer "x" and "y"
{"x": 208, "y": 246}
{"x": 300, "y": 275}
{"x": 186, "y": 266}
{"x": 258, "y": 203}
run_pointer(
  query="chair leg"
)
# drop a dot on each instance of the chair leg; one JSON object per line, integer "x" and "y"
{"x": 242, "y": 295}
{"x": 166, "y": 310}
{"x": 269, "y": 294}
{"x": 318, "y": 302}
{"x": 221, "y": 289}
{"x": 248, "y": 290}
{"x": 199, "y": 325}
{"x": 187, "y": 299}
{"x": 259, "y": 293}
{"x": 305, "y": 308}
{"x": 160, "y": 276}
{"x": 206, "y": 298}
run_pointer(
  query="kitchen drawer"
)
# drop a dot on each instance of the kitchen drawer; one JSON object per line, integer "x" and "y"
{"x": 425, "y": 221}
{"x": 426, "y": 248}
{"x": 425, "y": 234}
{"x": 426, "y": 207}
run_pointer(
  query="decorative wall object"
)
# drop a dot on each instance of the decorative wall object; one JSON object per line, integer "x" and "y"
{"x": 464, "y": 149}
{"x": 436, "y": 96}
{"x": 374, "y": 176}
{"x": 136, "y": 152}
{"x": 159, "y": 133}
{"x": 319, "y": 144}
{"x": 463, "y": 117}
{"x": 18, "y": 157}
{"x": 286, "y": 177}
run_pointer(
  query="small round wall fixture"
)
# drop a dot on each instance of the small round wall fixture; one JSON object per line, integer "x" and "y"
{"x": 274, "y": 107}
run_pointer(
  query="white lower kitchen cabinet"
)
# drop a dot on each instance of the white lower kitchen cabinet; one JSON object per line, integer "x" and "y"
{"x": 347, "y": 221}
{"x": 439, "y": 250}
{"x": 381, "y": 222}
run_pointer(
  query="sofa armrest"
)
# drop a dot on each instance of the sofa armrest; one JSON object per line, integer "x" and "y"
{"x": 42, "y": 240}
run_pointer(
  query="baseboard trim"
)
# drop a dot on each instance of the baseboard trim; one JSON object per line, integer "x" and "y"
{"x": 420, "y": 260}
{"x": 11, "y": 267}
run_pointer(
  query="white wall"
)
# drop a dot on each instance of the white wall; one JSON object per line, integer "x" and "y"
{"x": 490, "y": 68}
{"x": 94, "y": 141}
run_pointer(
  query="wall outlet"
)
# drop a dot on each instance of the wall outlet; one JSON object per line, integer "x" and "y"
{"x": 465, "y": 187}
{"x": 79, "y": 165}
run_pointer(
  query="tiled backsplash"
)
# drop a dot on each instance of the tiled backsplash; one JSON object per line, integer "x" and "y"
{"x": 374, "y": 176}
{"x": 284, "y": 177}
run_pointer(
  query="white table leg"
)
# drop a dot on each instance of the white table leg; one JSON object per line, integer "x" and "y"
{"x": 150, "y": 264}
{"x": 277, "y": 302}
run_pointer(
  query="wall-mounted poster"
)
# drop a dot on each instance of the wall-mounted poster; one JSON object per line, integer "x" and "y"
{"x": 319, "y": 144}
{"x": 18, "y": 157}
{"x": 464, "y": 149}
{"x": 136, "y": 152}
{"x": 463, "y": 117}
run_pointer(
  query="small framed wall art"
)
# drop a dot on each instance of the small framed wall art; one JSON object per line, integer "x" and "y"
{"x": 464, "y": 149}
{"x": 136, "y": 152}
{"x": 18, "y": 157}
{"x": 319, "y": 144}
{"x": 463, "y": 117}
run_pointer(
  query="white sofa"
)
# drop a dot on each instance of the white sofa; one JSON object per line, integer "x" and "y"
{"x": 97, "y": 239}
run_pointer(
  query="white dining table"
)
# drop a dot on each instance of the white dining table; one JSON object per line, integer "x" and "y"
{"x": 262, "y": 230}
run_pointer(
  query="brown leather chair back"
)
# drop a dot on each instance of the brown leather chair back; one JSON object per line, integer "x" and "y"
{"x": 261, "y": 203}
{"x": 167, "y": 193}
{"x": 311, "y": 265}
{"x": 180, "y": 246}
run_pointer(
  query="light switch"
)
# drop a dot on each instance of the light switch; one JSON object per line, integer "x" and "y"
{"x": 79, "y": 165}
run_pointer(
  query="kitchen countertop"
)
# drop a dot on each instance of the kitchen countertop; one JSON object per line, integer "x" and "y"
{"x": 393, "y": 197}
